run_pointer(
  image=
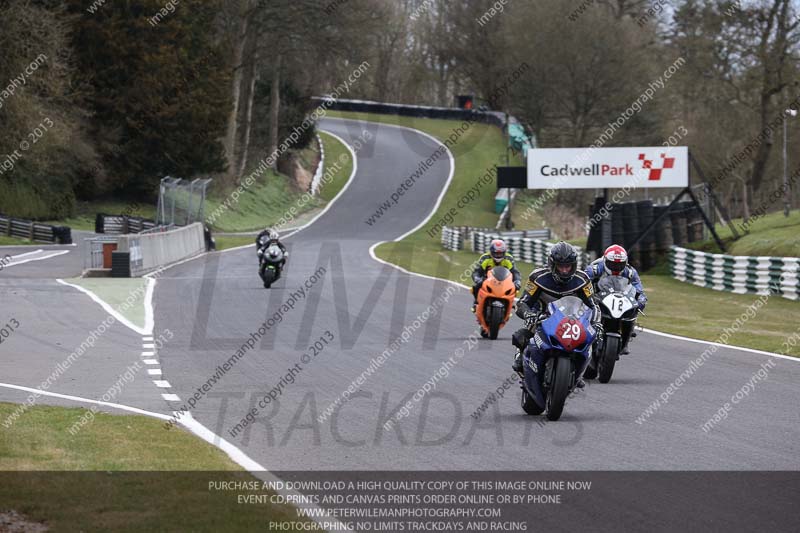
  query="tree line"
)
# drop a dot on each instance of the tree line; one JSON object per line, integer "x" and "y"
{"x": 104, "y": 98}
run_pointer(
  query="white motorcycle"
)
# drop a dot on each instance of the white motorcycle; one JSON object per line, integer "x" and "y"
{"x": 620, "y": 309}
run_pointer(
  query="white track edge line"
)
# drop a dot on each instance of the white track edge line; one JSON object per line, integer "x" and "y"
{"x": 720, "y": 345}
{"x": 192, "y": 425}
{"x": 26, "y": 253}
{"x": 31, "y": 260}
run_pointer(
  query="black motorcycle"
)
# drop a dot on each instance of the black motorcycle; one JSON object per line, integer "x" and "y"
{"x": 271, "y": 260}
{"x": 617, "y": 298}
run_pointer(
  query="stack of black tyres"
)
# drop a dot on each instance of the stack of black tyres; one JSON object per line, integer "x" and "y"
{"x": 663, "y": 231}
{"x": 630, "y": 229}
{"x": 618, "y": 233}
{"x": 680, "y": 224}
{"x": 695, "y": 223}
{"x": 647, "y": 248}
{"x": 594, "y": 242}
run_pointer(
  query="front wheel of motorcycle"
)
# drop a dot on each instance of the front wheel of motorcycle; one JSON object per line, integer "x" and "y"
{"x": 494, "y": 321}
{"x": 557, "y": 395}
{"x": 608, "y": 358}
{"x": 268, "y": 277}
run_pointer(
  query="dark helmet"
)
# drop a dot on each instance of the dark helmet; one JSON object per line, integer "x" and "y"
{"x": 498, "y": 250}
{"x": 563, "y": 262}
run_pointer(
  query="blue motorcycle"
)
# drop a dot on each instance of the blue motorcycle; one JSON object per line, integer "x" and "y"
{"x": 559, "y": 352}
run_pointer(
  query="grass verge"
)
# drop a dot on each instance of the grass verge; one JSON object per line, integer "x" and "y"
{"x": 338, "y": 169}
{"x": 701, "y": 313}
{"x": 335, "y": 152}
{"x": 226, "y": 242}
{"x": 124, "y": 295}
{"x": 13, "y": 241}
{"x": 263, "y": 204}
{"x": 120, "y": 473}
{"x": 772, "y": 235}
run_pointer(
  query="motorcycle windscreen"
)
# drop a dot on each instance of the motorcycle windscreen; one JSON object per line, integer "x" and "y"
{"x": 501, "y": 273}
{"x": 614, "y": 284}
{"x": 570, "y": 307}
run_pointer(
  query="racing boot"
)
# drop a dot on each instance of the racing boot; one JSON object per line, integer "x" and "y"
{"x": 517, "y": 366}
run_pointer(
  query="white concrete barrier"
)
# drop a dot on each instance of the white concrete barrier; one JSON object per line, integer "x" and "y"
{"x": 151, "y": 251}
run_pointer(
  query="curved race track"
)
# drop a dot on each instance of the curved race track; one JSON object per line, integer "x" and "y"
{"x": 215, "y": 303}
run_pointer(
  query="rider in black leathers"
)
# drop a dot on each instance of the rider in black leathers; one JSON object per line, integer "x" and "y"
{"x": 560, "y": 278}
{"x": 264, "y": 240}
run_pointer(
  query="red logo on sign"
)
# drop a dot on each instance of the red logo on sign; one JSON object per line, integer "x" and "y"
{"x": 655, "y": 173}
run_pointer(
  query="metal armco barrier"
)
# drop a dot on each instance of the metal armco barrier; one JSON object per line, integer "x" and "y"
{"x": 27, "y": 229}
{"x": 121, "y": 224}
{"x": 446, "y": 113}
{"x": 738, "y": 274}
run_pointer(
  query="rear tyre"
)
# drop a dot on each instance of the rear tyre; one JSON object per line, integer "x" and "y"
{"x": 529, "y": 405}
{"x": 559, "y": 389}
{"x": 608, "y": 359}
{"x": 494, "y": 321}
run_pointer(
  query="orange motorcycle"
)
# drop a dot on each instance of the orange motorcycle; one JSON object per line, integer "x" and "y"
{"x": 495, "y": 301}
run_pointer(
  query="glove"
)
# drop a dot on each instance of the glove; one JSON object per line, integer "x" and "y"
{"x": 531, "y": 317}
{"x": 517, "y": 284}
{"x": 598, "y": 326}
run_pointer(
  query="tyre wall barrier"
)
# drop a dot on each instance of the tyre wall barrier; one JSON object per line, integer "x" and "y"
{"x": 454, "y": 237}
{"x": 121, "y": 224}
{"x": 33, "y": 231}
{"x": 315, "y": 182}
{"x": 150, "y": 251}
{"x": 737, "y": 274}
{"x": 523, "y": 245}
